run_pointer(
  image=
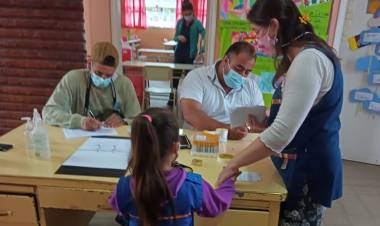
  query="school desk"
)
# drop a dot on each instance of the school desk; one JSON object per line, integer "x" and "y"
{"x": 32, "y": 194}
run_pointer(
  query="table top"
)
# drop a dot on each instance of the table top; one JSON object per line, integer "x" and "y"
{"x": 173, "y": 66}
{"x": 19, "y": 167}
{"x": 163, "y": 51}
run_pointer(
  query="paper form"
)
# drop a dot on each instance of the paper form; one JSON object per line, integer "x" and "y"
{"x": 239, "y": 116}
{"x": 77, "y": 133}
{"x": 248, "y": 177}
{"x": 106, "y": 153}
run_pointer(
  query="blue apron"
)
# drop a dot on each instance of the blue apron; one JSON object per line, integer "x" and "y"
{"x": 315, "y": 157}
{"x": 187, "y": 201}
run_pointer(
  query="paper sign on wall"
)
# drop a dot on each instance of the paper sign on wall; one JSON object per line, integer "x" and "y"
{"x": 373, "y": 106}
{"x": 360, "y": 95}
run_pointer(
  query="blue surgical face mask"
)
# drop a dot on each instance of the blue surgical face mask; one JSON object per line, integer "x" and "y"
{"x": 100, "y": 82}
{"x": 233, "y": 79}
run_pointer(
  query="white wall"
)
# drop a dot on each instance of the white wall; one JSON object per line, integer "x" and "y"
{"x": 360, "y": 134}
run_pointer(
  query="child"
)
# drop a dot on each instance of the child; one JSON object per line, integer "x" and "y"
{"x": 157, "y": 192}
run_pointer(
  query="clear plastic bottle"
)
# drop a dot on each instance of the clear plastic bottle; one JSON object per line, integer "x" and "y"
{"x": 28, "y": 134}
{"x": 40, "y": 137}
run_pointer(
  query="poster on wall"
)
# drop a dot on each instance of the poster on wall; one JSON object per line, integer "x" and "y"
{"x": 367, "y": 97}
{"x": 233, "y": 26}
{"x": 235, "y": 9}
{"x": 372, "y": 6}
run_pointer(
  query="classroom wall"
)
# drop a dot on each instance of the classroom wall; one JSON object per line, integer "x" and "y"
{"x": 360, "y": 130}
{"x": 152, "y": 38}
{"x": 97, "y": 22}
{"x": 39, "y": 42}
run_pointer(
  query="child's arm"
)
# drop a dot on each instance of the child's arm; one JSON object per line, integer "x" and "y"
{"x": 216, "y": 201}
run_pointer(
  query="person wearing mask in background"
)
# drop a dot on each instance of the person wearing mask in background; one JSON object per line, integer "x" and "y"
{"x": 89, "y": 98}
{"x": 188, "y": 30}
{"x": 209, "y": 94}
{"x": 302, "y": 136}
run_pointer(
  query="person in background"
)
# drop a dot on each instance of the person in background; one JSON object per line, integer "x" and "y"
{"x": 209, "y": 94}
{"x": 89, "y": 98}
{"x": 302, "y": 136}
{"x": 159, "y": 191}
{"x": 187, "y": 32}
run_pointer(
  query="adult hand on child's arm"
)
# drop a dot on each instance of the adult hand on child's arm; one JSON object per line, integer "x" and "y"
{"x": 237, "y": 133}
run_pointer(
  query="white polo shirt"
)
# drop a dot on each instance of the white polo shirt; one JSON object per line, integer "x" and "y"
{"x": 203, "y": 86}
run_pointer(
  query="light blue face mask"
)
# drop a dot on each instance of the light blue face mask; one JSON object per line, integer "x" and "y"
{"x": 100, "y": 82}
{"x": 233, "y": 79}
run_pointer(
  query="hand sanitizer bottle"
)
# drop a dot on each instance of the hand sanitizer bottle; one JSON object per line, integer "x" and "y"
{"x": 28, "y": 134}
{"x": 40, "y": 137}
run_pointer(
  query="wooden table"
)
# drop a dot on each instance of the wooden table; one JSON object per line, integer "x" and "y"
{"x": 32, "y": 194}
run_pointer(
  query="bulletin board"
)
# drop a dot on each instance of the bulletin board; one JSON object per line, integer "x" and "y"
{"x": 232, "y": 26}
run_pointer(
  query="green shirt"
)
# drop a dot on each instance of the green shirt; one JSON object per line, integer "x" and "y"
{"x": 65, "y": 107}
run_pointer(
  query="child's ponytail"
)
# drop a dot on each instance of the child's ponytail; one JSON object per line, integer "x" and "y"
{"x": 152, "y": 137}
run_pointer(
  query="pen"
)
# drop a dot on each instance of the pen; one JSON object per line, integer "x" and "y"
{"x": 91, "y": 114}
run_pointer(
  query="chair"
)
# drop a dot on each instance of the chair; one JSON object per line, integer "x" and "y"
{"x": 158, "y": 73}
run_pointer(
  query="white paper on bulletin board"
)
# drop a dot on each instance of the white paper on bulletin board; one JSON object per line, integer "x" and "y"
{"x": 359, "y": 135}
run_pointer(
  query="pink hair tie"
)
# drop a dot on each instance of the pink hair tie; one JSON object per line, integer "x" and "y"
{"x": 148, "y": 117}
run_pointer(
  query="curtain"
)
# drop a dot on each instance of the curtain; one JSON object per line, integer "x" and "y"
{"x": 133, "y": 14}
{"x": 200, "y": 10}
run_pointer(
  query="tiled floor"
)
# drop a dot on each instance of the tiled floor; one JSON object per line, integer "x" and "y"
{"x": 360, "y": 205}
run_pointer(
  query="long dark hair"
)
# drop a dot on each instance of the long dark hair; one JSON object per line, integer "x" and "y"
{"x": 153, "y": 134}
{"x": 294, "y": 30}
{"x": 186, "y": 5}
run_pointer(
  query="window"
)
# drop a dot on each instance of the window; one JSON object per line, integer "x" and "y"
{"x": 161, "y": 13}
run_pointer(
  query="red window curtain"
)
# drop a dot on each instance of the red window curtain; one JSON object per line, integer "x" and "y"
{"x": 200, "y": 10}
{"x": 133, "y": 14}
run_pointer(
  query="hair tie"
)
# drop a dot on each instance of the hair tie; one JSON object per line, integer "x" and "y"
{"x": 148, "y": 117}
{"x": 305, "y": 19}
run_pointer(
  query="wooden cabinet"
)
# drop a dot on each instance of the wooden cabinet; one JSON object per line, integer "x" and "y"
{"x": 17, "y": 210}
{"x": 236, "y": 218}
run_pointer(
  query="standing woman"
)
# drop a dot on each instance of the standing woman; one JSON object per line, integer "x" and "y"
{"x": 187, "y": 33}
{"x": 304, "y": 120}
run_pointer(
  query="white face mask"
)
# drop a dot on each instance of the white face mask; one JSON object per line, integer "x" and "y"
{"x": 189, "y": 18}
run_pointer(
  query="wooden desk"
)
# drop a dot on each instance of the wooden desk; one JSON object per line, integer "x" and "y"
{"x": 32, "y": 194}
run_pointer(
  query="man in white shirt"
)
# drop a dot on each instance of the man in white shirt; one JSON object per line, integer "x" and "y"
{"x": 209, "y": 94}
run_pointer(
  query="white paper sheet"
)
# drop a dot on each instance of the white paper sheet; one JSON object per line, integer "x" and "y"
{"x": 239, "y": 116}
{"x": 77, "y": 133}
{"x": 106, "y": 153}
{"x": 248, "y": 177}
